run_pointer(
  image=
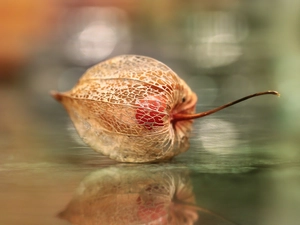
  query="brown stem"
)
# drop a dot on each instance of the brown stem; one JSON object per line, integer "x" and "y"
{"x": 179, "y": 117}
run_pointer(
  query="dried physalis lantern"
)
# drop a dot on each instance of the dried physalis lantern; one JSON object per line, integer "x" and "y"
{"x": 134, "y": 109}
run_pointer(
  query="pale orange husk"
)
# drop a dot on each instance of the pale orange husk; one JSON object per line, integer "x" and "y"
{"x": 104, "y": 102}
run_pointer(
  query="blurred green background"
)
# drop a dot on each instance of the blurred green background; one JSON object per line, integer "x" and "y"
{"x": 243, "y": 162}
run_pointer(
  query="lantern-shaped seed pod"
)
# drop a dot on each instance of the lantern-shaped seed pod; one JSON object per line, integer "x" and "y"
{"x": 134, "y": 109}
{"x": 123, "y": 108}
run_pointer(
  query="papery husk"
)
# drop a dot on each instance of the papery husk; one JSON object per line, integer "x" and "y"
{"x": 104, "y": 103}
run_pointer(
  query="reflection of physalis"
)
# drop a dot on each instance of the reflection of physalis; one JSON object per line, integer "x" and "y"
{"x": 140, "y": 194}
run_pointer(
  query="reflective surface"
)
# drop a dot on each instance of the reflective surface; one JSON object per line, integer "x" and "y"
{"x": 241, "y": 170}
{"x": 243, "y": 166}
{"x": 136, "y": 194}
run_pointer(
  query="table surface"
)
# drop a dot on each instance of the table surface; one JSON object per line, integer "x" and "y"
{"x": 239, "y": 166}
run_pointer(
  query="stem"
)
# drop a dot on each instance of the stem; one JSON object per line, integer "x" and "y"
{"x": 179, "y": 117}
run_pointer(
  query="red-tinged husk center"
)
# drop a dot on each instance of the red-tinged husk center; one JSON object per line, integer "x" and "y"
{"x": 151, "y": 112}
